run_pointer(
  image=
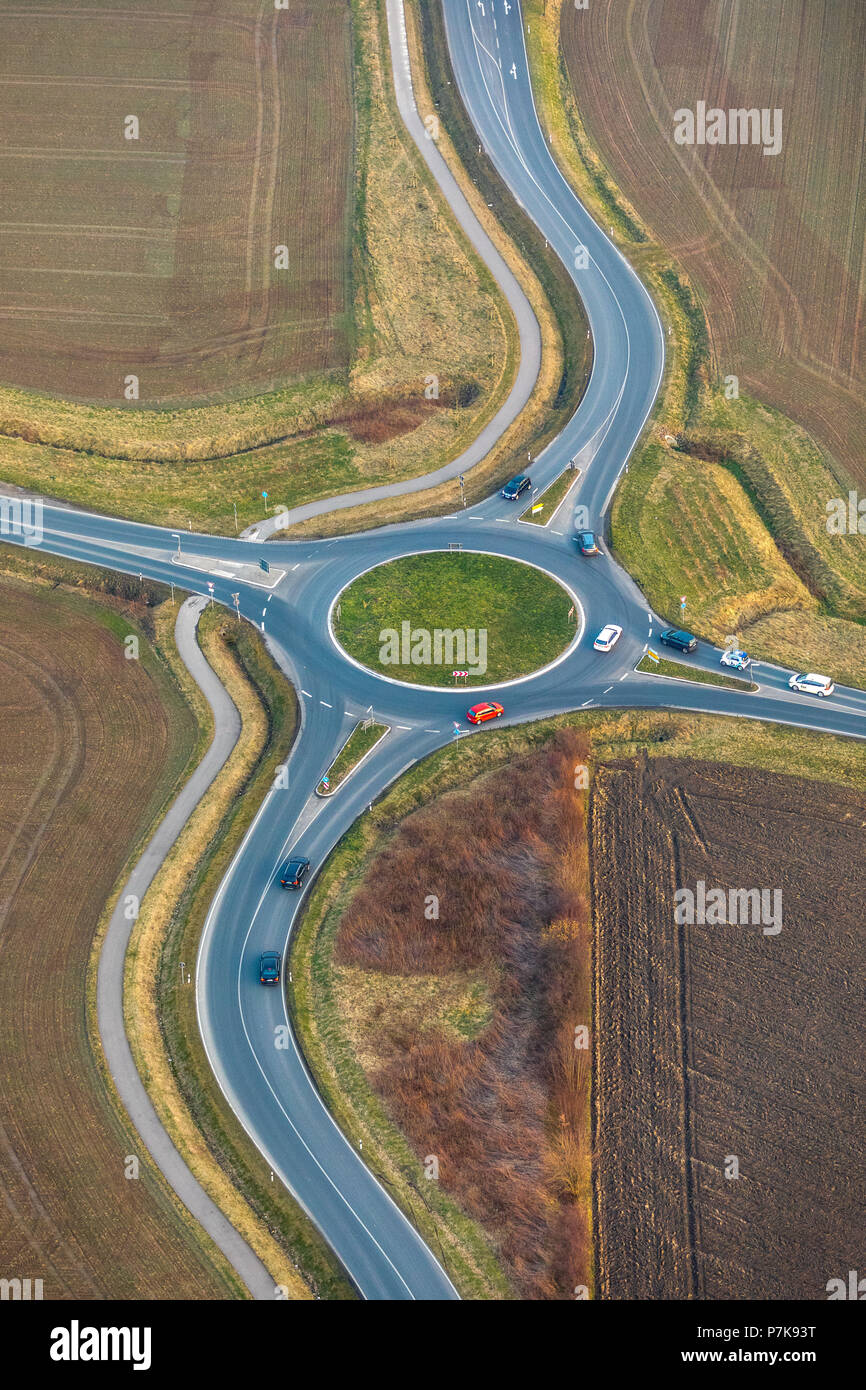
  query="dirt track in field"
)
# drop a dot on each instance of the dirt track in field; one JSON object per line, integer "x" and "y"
{"x": 718, "y": 1041}
{"x": 88, "y": 750}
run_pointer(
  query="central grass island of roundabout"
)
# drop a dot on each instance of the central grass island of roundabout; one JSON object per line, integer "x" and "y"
{"x": 422, "y": 617}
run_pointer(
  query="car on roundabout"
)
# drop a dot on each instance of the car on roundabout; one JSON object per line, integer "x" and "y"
{"x": 737, "y": 659}
{"x": 812, "y": 684}
{"x": 587, "y": 543}
{"x": 608, "y": 637}
{"x": 516, "y": 487}
{"x": 488, "y": 709}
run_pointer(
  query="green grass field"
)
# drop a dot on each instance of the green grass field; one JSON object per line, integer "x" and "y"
{"x": 517, "y": 619}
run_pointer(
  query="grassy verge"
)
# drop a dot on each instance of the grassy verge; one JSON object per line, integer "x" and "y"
{"x": 315, "y": 994}
{"x": 680, "y": 671}
{"x": 401, "y": 618}
{"x": 686, "y": 527}
{"x": 160, "y": 1014}
{"x": 767, "y": 565}
{"x": 361, "y": 741}
{"x": 550, "y": 499}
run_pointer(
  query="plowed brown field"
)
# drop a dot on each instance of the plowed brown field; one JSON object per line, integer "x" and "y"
{"x": 88, "y": 753}
{"x": 719, "y": 1041}
{"x": 155, "y": 256}
{"x": 775, "y": 244}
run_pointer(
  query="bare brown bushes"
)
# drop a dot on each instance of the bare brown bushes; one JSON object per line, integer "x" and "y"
{"x": 505, "y": 1113}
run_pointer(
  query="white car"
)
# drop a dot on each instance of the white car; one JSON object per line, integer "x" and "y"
{"x": 739, "y": 660}
{"x": 811, "y": 684}
{"x": 607, "y": 638}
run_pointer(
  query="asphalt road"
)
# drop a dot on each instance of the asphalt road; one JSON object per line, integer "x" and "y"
{"x": 269, "y": 1086}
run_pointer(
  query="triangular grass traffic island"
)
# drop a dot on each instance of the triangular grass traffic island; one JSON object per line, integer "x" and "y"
{"x": 360, "y": 743}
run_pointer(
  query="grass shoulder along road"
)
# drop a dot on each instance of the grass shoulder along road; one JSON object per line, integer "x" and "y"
{"x": 419, "y": 618}
{"x": 361, "y": 741}
{"x": 681, "y": 671}
{"x": 566, "y": 345}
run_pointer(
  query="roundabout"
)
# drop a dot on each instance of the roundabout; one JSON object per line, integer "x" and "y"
{"x": 457, "y": 617}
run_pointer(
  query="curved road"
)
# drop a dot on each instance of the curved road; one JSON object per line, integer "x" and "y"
{"x": 269, "y": 1087}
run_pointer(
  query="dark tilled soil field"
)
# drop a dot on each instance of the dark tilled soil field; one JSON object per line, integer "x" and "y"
{"x": 713, "y": 1041}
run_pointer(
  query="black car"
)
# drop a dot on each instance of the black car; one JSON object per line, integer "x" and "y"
{"x": 586, "y": 543}
{"x": 269, "y": 968}
{"x": 683, "y": 641}
{"x": 517, "y": 485}
{"x": 293, "y": 872}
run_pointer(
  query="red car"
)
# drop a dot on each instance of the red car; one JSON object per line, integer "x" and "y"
{"x": 488, "y": 710}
